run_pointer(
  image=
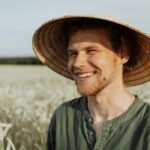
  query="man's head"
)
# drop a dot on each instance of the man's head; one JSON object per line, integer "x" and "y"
{"x": 52, "y": 39}
{"x": 93, "y": 62}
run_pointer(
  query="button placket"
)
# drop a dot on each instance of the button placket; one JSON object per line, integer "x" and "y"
{"x": 91, "y": 131}
{"x": 105, "y": 130}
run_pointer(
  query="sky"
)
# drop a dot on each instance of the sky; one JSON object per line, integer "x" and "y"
{"x": 20, "y": 18}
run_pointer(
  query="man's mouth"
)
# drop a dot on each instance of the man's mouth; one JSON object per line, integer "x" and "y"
{"x": 85, "y": 75}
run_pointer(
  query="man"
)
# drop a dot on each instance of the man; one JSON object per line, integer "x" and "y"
{"x": 103, "y": 57}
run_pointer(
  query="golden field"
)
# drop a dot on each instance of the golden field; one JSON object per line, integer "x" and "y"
{"x": 28, "y": 96}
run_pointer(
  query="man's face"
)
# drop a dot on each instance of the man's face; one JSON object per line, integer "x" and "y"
{"x": 92, "y": 62}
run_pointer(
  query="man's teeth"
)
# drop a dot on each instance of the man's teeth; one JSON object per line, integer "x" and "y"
{"x": 84, "y": 75}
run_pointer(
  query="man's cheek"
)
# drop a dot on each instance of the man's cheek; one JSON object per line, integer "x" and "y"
{"x": 70, "y": 68}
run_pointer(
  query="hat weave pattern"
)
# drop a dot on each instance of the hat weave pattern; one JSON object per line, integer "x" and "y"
{"x": 49, "y": 46}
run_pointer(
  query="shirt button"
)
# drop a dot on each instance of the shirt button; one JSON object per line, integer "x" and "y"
{"x": 91, "y": 133}
{"x": 90, "y": 119}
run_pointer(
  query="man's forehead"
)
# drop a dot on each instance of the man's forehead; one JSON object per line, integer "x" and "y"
{"x": 86, "y": 33}
{"x": 84, "y": 46}
{"x": 90, "y": 37}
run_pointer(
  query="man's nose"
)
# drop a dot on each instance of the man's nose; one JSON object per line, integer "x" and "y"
{"x": 80, "y": 61}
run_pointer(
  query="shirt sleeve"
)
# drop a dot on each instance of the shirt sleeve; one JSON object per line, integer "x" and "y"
{"x": 51, "y": 134}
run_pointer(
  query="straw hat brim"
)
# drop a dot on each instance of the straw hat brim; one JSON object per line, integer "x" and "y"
{"x": 48, "y": 44}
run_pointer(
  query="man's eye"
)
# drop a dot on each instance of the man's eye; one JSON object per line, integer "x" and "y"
{"x": 72, "y": 54}
{"x": 91, "y": 50}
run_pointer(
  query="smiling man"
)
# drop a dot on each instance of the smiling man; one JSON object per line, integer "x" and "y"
{"x": 103, "y": 57}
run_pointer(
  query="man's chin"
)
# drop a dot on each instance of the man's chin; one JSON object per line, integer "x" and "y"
{"x": 86, "y": 92}
{"x": 89, "y": 90}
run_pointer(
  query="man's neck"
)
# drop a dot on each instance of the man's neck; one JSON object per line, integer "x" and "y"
{"x": 110, "y": 103}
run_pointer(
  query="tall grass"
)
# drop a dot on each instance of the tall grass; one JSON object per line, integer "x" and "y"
{"x": 28, "y": 96}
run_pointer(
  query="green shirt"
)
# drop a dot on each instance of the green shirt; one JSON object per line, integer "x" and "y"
{"x": 71, "y": 128}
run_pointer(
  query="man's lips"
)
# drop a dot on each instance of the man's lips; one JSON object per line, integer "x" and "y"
{"x": 84, "y": 75}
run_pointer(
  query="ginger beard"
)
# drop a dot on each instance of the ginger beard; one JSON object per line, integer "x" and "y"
{"x": 94, "y": 83}
{"x": 91, "y": 89}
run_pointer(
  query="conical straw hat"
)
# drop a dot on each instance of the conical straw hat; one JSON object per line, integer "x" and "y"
{"x": 49, "y": 46}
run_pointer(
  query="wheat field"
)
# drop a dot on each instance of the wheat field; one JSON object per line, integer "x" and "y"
{"x": 28, "y": 96}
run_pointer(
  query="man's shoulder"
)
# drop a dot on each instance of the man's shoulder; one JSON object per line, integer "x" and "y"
{"x": 145, "y": 113}
{"x": 146, "y": 106}
{"x": 76, "y": 104}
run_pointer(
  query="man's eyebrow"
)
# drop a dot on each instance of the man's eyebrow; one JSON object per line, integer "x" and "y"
{"x": 71, "y": 50}
{"x": 91, "y": 47}
{"x": 86, "y": 48}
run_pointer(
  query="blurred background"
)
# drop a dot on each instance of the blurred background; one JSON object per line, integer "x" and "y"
{"x": 29, "y": 91}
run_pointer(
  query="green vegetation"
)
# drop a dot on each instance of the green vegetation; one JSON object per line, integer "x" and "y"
{"x": 20, "y": 60}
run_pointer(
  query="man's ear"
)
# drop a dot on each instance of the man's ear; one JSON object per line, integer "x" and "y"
{"x": 124, "y": 55}
{"x": 124, "y": 51}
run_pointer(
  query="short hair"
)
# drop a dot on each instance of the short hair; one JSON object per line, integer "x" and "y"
{"x": 116, "y": 33}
